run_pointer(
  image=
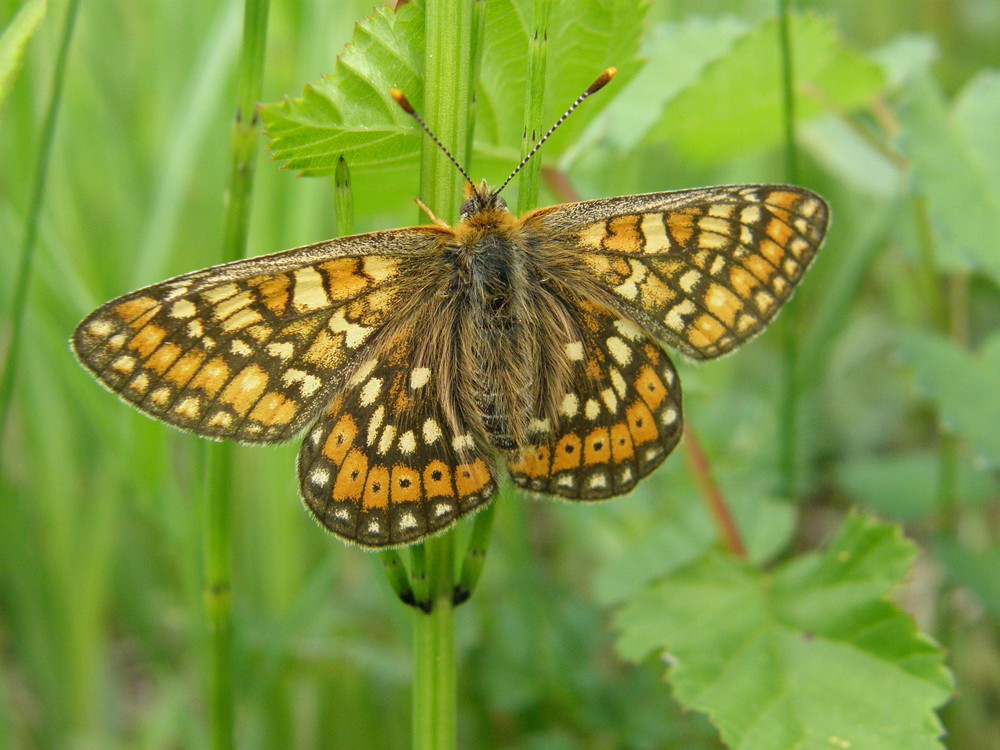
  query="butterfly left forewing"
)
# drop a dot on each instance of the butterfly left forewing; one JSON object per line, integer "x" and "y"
{"x": 704, "y": 270}
{"x": 251, "y": 350}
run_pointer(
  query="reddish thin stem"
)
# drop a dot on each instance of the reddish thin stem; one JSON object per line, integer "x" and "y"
{"x": 558, "y": 183}
{"x": 717, "y": 507}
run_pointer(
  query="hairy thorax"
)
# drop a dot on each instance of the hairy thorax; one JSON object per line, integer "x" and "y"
{"x": 510, "y": 336}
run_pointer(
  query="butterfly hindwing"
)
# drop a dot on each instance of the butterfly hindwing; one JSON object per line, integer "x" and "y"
{"x": 250, "y": 350}
{"x": 618, "y": 419}
{"x": 703, "y": 270}
{"x": 384, "y": 465}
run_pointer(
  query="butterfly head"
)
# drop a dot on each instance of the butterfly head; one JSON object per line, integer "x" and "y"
{"x": 480, "y": 199}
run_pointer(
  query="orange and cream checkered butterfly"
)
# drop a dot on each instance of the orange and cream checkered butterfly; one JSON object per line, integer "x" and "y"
{"x": 420, "y": 357}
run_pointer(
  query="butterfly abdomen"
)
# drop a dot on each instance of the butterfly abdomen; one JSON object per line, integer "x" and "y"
{"x": 497, "y": 340}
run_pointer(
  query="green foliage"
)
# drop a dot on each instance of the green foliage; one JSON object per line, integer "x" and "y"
{"x": 734, "y": 106}
{"x": 350, "y": 112}
{"x": 14, "y": 41}
{"x": 954, "y": 159}
{"x": 898, "y": 327}
{"x": 964, "y": 387}
{"x": 802, "y": 656}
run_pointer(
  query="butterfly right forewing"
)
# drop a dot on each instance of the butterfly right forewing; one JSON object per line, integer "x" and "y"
{"x": 704, "y": 270}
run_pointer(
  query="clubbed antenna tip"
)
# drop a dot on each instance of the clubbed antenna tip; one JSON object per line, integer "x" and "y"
{"x": 400, "y": 98}
{"x": 602, "y": 80}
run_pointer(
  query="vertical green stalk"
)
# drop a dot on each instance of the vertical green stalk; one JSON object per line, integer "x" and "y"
{"x": 218, "y": 463}
{"x": 534, "y": 106}
{"x": 26, "y": 263}
{"x": 435, "y": 713}
{"x": 451, "y": 36}
{"x": 938, "y": 314}
{"x": 788, "y": 425}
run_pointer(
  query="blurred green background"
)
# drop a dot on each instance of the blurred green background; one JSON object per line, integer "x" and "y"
{"x": 102, "y": 641}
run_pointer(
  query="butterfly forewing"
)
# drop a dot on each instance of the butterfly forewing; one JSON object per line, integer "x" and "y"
{"x": 619, "y": 418}
{"x": 383, "y": 465}
{"x": 704, "y": 270}
{"x": 249, "y": 350}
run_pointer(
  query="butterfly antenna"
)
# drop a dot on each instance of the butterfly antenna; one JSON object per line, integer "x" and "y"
{"x": 405, "y": 105}
{"x": 602, "y": 80}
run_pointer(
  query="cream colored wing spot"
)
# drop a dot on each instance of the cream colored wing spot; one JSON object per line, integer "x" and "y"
{"x": 231, "y": 305}
{"x": 570, "y": 405}
{"x": 619, "y": 350}
{"x": 539, "y": 426}
{"x": 432, "y": 431}
{"x": 219, "y": 293}
{"x": 308, "y": 292}
{"x": 183, "y": 309}
{"x": 655, "y": 234}
{"x": 375, "y": 424}
{"x": 354, "y": 334}
{"x": 370, "y": 391}
{"x": 419, "y": 376}
{"x": 241, "y": 319}
{"x": 574, "y": 351}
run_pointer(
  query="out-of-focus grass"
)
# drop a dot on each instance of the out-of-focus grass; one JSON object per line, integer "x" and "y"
{"x": 101, "y": 640}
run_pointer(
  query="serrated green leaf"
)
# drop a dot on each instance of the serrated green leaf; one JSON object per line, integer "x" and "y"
{"x": 14, "y": 42}
{"x": 947, "y": 152}
{"x": 350, "y": 111}
{"x": 675, "y": 540}
{"x": 963, "y": 386}
{"x": 810, "y": 656}
{"x": 736, "y": 105}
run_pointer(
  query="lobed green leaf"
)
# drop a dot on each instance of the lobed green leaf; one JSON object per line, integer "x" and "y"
{"x": 808, "y": 656}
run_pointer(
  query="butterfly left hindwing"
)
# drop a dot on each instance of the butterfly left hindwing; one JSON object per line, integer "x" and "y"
{"x": 384, "y": 465}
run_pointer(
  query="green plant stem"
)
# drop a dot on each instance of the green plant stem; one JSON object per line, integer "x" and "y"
{"x": 23, "y": 278}
{"x": 534, "y": 107}
{"x": 938, "y": 317}
{"x": 788, "y": 424}
{"x": 219, "y": 458}
{"x": 475, "y": 555}
{"x": 451, "y": 37}
{"x": 434, "y": 678}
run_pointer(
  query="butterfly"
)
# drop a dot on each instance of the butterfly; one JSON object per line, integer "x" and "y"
{"x": 416, "y": 361}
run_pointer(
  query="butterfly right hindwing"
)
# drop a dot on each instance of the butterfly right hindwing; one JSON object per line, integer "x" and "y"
{"x": 618, "y": 419}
